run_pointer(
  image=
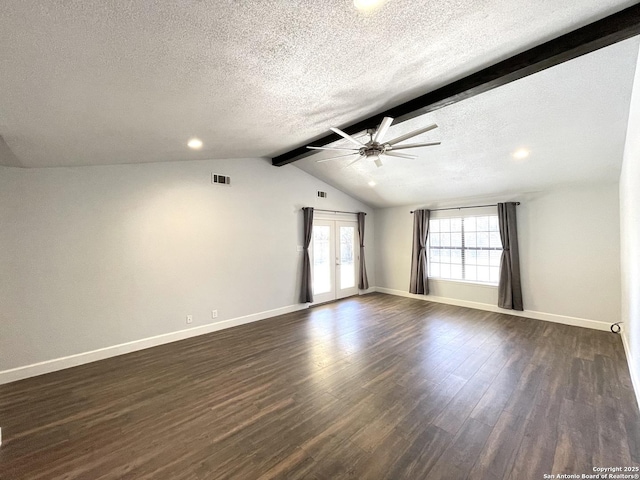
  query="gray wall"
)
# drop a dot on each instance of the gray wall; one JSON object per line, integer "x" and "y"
{"x": 568, "y": 247}
{"x": 630, "y": 234}
{"x": 93, "y": 257}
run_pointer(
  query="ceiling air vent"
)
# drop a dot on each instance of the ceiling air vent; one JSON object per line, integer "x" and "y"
{"x": 222, "y": 179}
{"x": 322, "y": 194}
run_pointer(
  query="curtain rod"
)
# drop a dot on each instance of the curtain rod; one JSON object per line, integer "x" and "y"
{"x": 335, "y": 211}
{"x": 460, "y": 208}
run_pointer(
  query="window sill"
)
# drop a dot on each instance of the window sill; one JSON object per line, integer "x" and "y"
{"x": 465, "y": 282}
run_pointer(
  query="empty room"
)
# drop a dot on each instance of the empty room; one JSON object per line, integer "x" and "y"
{"x": 370, "y": 239}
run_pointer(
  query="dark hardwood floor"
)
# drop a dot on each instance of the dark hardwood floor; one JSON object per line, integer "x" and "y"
{"x": 376, "y": 387}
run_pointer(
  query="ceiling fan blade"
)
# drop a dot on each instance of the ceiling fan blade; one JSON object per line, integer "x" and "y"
{"x": 333, "y": 158}
{"x": 414, "y": 145}
{"x": 356, "y": 160}
{"x": 401, "y": 155}
{"x": 347, "y": 136}
{"x": 382, "y": 129}
{"x": 378, "y": 162}
{"x": 411, "y": 134}
{"x": 333, "y": 148}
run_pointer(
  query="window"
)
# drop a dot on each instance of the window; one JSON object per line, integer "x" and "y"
{"x": 465, "y": 248}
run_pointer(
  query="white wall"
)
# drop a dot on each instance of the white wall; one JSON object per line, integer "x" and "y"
{"x": 92, "y": 257}
{"x": 630, "y": 235}
{"x": 568, "y": 251}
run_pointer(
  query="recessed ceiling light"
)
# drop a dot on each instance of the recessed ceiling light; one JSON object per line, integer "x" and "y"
{"x": 366, "y": 4}
{"x": 195, "y": 143}
{"x": 521, "y": 153}
{"x": 372, "y": 183}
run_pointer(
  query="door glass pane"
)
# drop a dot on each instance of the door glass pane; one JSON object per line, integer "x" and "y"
{"x": 321, "y": 259}
{"x": 347, "y": 257}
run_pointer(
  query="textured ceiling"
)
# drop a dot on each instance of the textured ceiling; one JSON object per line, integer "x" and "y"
{"x": 572, "y": 118}
{"x": 87, "y": 82}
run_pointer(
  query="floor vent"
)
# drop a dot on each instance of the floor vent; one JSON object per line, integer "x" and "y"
{"x": 322, "y": 194}
{"x": 222, "y": 179}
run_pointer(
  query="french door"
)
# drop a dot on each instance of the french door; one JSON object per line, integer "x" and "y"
{"x": 334, "y": 259}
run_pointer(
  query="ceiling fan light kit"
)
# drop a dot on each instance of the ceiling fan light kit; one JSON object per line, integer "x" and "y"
{"x": 376, "y": 147}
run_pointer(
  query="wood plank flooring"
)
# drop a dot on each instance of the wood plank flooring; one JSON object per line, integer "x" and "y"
{"x": 373, "y": 387}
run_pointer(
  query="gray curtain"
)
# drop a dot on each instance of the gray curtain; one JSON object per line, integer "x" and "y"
{"x": 419, "y": 281}
{"x": 363, "y": 282}
{"x": 509, "y": 287}
{"x": 307, "y": 287}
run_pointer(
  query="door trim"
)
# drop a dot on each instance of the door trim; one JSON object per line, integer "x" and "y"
{"x": 335, "y": 220}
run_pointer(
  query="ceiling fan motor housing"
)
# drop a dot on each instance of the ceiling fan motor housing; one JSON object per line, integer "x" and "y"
{"x": 373, "y": 150}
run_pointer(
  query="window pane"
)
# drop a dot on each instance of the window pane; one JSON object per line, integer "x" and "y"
{"x": 469, "y": 238}
{"x": 456, "y": 272}
{"x": 483, "y": 257}
{"x": 483, "y": 274}
{"x": 434, "y": 270}
{"x": 494, "y": 240}
{"x": 480, "y": 259}
{"x": 470, "y": 272}
{"x": 483, "y": 239}
{"x": 494, "y": 273}
{"x": 445, "y": 270}
{"x": 470, "y": 224}
{"x": 470, "y": 257}
{"x": 456, "y": 239}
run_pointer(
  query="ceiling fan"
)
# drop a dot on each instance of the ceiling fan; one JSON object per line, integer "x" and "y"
{"x": 376, "y": 147}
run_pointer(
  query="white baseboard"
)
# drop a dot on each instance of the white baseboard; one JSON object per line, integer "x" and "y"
{"x": 548, "y": 317}
{"x": 633, "y": 372}
{"x": 367, "y": 291}
{"x": 53, "y": 365}
{"x": 56, "y": 364}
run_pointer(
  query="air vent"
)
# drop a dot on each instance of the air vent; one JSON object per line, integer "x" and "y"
{"x": 322, "y": 194}
{"x": 221, "y": 179}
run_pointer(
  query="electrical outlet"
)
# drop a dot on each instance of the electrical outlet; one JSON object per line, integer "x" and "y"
{"x": 189, "y": 318}
{"x": 214, "y": 313}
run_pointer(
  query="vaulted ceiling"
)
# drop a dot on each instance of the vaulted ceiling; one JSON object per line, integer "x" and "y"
{"x": 571, "y": 119}
{"x": 94, "y": 82}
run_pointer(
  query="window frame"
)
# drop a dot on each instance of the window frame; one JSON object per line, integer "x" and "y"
{"x": 462, "y": 248}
